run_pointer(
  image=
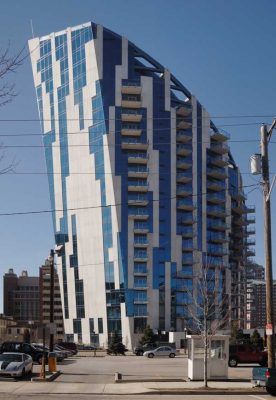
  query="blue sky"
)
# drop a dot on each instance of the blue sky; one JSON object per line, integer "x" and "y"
{"x": 222, "y": 51}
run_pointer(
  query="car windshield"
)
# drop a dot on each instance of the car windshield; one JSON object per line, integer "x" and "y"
{"x": 11, "y": 357}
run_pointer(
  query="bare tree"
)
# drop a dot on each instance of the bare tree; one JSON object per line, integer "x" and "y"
{"x": 210, "y": 306}
{"x": 9, "y": 63}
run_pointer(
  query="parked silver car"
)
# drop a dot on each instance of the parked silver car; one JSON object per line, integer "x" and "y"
{"x": 162, "y": 351}
{"x": 15, "y": 364}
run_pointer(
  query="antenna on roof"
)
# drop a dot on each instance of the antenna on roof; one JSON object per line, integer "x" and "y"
{"x": 32, "y": 28}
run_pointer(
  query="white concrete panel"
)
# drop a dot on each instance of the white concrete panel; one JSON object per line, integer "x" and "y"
{"x": 205, "y": 144}
{"x": 167, "y": 296}
{"x": 99, "y": 50}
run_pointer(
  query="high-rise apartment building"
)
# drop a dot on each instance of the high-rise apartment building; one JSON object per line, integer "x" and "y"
{"x": 21, "y": 297}
{"x": 256, "y": 304}
{"x": 45, "y": 295}
{"x": 143, "y": 187}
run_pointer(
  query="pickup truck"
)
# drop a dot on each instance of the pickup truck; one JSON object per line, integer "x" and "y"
{"x": 265, "y": 377}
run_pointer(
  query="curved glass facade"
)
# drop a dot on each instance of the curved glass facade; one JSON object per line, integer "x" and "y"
{"x": 148, "y": 189}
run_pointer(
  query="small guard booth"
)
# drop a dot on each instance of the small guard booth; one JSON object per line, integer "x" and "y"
{"x": 217, "y": 357}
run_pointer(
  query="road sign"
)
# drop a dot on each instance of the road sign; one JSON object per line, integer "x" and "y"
{"x": 268, "y": 329}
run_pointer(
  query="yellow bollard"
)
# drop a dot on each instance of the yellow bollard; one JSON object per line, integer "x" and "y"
{"x": 52, "y": 362}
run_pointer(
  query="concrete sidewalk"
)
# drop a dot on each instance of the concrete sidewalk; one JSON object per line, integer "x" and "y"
{"x": 126, "y": 388}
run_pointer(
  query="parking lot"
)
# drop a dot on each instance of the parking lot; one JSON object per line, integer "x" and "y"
{"x": 85, "y": 368}
{"x": 101, "y": 369}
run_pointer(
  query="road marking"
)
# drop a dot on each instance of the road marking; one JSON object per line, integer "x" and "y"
{"x": 257, "y": 397}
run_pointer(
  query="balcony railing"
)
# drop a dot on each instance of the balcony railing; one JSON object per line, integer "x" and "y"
{"x": 134, "y": 144}
{"x": 220, "y": 148}
{"x": 220, "y": 135}
{"x": 216, "y": 172}
{"x": 185, "y": 204}
{"x": 183, "y": 136}
{"x": 218, "y": 225}
{"x": 140, "y": 227}
{"x": 184, "y": 177}
{"x": 137, "y": 158}
{"x": 216, "y": 197}
{"x": 216, "y": 185}
{"x": 138, "y": 213}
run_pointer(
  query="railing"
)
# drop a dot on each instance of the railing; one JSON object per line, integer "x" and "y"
{"x": 141, "y": 225}
{"x": 138, "y": 211}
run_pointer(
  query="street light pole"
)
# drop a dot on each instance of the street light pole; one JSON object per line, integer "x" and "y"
{"x": 52, "y": 277}
{"x": 265, "y": 136}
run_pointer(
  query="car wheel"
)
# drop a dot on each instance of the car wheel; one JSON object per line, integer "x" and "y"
{"x": 172, "y": 355}
{"x": 271, "y": 390}
{"x": 39, "y": 360}
{"x": 140, "y": 353}
{"x": 232, "y": 362}
{"x": 150, "y": 355}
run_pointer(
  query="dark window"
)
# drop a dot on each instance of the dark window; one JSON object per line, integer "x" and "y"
{"x": 100, "y": 325}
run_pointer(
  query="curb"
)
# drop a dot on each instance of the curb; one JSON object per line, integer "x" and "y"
{"x": 48, "y": 378}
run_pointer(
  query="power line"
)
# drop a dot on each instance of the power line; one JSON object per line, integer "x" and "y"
{"x": 109, "y": 205}
{"x": 178, "y": 117}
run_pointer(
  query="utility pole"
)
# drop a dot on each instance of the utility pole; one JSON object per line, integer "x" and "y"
{"x": 52, "y": 288}
{"x": 265, "y": 136}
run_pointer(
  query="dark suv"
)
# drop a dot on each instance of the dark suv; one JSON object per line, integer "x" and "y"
{"x": 20, "y": 347}
{"x": 139, "y": 350}
{"x": 246, "y": 354}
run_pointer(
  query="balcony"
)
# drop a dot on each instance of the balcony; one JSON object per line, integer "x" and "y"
{"x": 186, "y": 232}
{"x": 217, "y": 186}
{"x": 183, "y": 177}
{"x": 132, "y": 144}
{"x": 141, "y": 214}
{"x": 217, "y": 173}
{"x": 250, "y": 252}
{"x": 184, "y": 190}
{"x": 130, "y": 115}
{"x": 131, "y": 100}
{"x": 131, "y": 132}
{"x": 187, "y": 259}
{"x": 243, "y": 209}
{"x": 183, "y": 136}
{"x": 216, "y": 250}
{"x": 220, "y": 148}
{"x": 238, "y": 195}
{"x": 187, "y": 219}
{"x": 182, "y": 124}
{"x": 187, "y": 245}
{"x": 137, "y": 158}
{"x": 137, "y": 200}
{"x": 138, "y": 172}
{"x": 140, "y": 227}
{"x": 185, "y": 204}
{"x": 218, "y": 161}
{"x": 220, "y": 136}
{"x": 218, "y": 225}
{"x": 131, "y": 88}
{"x": 216, "y": 211}
{"x": 249, "y": 232}
{"x": 243, "y": 221}
{"x": 216, "y": 198}
{"x": 218, "y": 237}
{"x": 184, "y": 111}
{"x": 141, "y": 243}
{"x": 181, "y": 150}
{"x": 139, "y": 185}
{"x": 183, "y": 164}
{"x": 140, "y": 256}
